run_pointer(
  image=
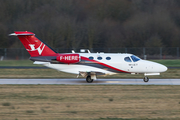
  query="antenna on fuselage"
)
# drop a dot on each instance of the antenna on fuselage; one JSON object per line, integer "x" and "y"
{"x": 85, "y": 50}
{"x": 88, "y": 51}
{"x": 73, "y": 51}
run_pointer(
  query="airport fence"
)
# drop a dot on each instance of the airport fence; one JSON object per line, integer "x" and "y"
{"x": 142, "y": 52}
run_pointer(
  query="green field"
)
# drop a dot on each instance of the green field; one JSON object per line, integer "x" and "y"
{"x": 28, "y": 63}
{"x": 168, "y": 63}
{"x": 86, "y": 102}
{"x": 51, "y": 73}
{"x": 89, "y": 102}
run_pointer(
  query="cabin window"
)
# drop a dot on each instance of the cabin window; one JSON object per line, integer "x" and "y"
{"x": 127, "y": 59}
{"x": 134, "y": 58}
{"x": 108, "y": 58}
{"x": 99, "y": 58}
{"x": 91, "y": 58}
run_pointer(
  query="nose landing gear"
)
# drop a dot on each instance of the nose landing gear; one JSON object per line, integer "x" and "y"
{"x": 146, "y": 79}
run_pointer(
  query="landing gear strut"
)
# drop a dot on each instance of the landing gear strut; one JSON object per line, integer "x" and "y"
{"x": 88, "y": 79}
{"x": 146, "y": 79}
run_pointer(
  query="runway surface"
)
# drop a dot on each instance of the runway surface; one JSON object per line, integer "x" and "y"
{"x": 96, "y": 82}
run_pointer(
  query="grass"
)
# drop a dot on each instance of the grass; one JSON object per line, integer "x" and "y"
{"x": 75, "y": 102}
{"x": 135, "y": 119}
{"x": 6, "y": 104}
{"x": 29, "y": 63}
{"x": 29, "y": 111}
{"x": 101, "y": 102}
{"x": 169, "y": 63}
{"x": 51, "y": 73}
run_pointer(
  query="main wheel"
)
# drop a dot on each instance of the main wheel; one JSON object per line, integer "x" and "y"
{"x": 88, "y": 79}
{"x": 146, "y": 79}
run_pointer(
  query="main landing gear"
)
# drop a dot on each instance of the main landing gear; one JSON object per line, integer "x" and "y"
{"x": 146, "y": 79}
{"x": 88, "y": 79}
{"x": 90, "y": 76}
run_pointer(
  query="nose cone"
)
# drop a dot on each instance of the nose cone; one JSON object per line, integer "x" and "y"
{"x": 154, "y": 67}
{"x": 162, "y": 68}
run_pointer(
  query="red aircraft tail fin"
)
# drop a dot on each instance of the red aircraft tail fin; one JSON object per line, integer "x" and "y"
{"x": 33, "y": 45}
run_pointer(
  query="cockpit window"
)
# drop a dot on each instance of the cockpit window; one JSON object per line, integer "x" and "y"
{"x": 127, "y": 59}
{"x": 134, "y": 58}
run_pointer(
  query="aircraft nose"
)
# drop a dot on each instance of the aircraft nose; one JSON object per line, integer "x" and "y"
{"x": 162, "y": 68}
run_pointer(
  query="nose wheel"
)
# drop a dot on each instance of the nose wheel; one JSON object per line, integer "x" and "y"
{"x": 88, "y": 79}
{"x": 146, "y": 79}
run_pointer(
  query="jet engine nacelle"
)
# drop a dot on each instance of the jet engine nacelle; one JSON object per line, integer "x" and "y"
{"x": 68, "y": 58}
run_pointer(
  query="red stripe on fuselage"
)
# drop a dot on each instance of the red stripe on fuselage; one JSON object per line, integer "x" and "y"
{"x": 94, "y": 61}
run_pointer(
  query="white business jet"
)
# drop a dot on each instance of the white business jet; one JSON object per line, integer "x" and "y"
{"x": 89, "y": 65}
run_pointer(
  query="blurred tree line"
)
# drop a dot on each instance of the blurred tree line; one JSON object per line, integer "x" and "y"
{"x": 92, "y": 23}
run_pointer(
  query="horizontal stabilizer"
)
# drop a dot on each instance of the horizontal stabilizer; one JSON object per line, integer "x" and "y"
{"x": 21, "y": 33}
{"x": 40, "y": 63}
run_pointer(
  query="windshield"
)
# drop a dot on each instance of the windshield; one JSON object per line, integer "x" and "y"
{"x": 127, "y": 59}
{"x": 135, "y": 58}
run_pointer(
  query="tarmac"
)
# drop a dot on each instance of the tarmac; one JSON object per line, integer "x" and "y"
{"x": 96, "y": 82}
